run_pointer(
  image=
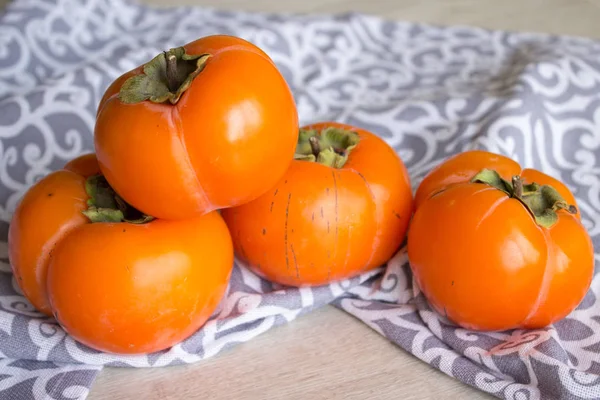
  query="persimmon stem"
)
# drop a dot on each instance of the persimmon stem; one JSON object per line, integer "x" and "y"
{"x": 105, "y": 205}
{"x": 517, "y": 186}
{"x": 329, "y": 146}
{"x": 543, "y": 201}
{"x": 171, "y": 71}
{"x": 165, "y": 78}
{"x": 314, "y": 145}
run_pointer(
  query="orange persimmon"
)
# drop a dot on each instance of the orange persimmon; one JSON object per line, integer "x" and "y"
{"x": 342, "y": 207}
{"x": 495, "y": 247}
{"x": 188, "y": 132}
{"x": 117, "y": 286}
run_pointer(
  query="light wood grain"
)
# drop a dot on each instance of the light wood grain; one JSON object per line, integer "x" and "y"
{"x": 324, "y": 355}
{"x": 328, "y": 354}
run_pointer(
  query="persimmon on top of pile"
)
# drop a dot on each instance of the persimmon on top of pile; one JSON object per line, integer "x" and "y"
{"x": 209, "y": 125}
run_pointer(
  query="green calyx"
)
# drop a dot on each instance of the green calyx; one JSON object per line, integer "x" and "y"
{"x": 542, "y": 201}
{"x": 330, "y": 146}
{"x": 165, "y": 78}
{"x": 105, "y": 205}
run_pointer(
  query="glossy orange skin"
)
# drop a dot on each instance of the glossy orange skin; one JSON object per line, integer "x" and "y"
{"x": 48, "y": 212}
{"x": 480, "y": 258}
{"x": 85, "y": 165}
{"x": 116, "y": 287}
{"x": 238, "y": 120}
{"x": 320, "y": 224}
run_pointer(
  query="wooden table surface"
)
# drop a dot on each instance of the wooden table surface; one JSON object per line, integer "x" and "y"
{"x": 328, "y": 354}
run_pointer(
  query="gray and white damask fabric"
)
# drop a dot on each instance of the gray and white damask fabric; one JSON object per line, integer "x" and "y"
{"x": 430, "y": 92}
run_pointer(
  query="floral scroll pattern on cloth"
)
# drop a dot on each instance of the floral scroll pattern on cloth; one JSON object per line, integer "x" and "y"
{"x": 430, "y": 92}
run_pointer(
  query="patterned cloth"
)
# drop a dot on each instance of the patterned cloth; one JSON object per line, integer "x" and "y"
{"x": 430, "y": 92}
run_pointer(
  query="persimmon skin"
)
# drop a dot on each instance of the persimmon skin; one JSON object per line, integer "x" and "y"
{"x": 481, "y": 259}
{"x": 320, "y": 224}
{"x": 85, "y": 165}
{"x": 237, "y": 120}
{"x": 462, "y": 168}
{"x": 48, "y": 212}
{"x": 132, "y": 289}
{"x": 116, "y": 287}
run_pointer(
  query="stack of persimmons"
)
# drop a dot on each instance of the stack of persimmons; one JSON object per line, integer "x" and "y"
{"x": 198, "y": 153}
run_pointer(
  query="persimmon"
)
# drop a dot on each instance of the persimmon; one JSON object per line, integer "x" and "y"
{"x": 342, "y": 207}
{"x": 115, "y": 279}
{"x": 493, "y": 246}
{"x": 188, "y": 132}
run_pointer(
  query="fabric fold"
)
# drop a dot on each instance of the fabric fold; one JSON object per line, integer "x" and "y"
{"x": 429, "y": 91}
